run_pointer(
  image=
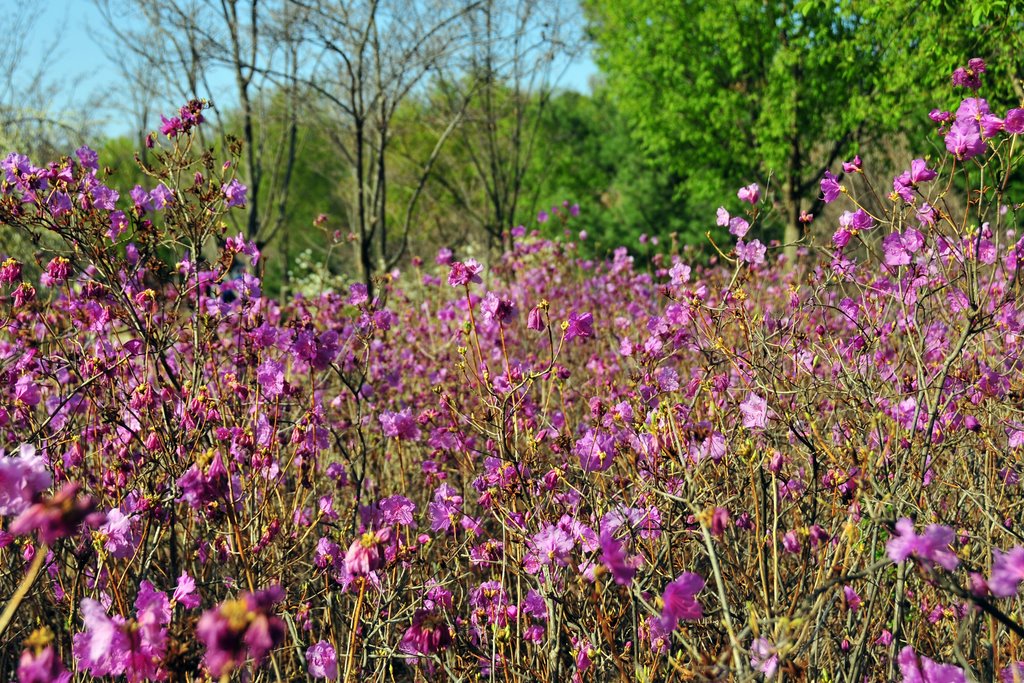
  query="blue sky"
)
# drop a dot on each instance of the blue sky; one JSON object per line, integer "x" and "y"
{"x": 81, "y": 70}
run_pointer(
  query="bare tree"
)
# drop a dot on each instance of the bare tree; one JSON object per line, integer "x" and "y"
{"x": 240, "y": 54}
{"x": 512, "y": 70}
{"x": 372, "y": 56}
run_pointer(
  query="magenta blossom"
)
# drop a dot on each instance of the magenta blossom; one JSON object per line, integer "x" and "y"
{"x": 366, "y": 554}
{"x": 234, "y": 194}
{"x": 924, "y": 670}
{"x": 755, "y": 412}
{"x": 764, "y": 657}
{"x": 462, "y": 274}
{"x": 321, "y": 661}
{"x": 830, "y": 187}
{"x": 21, "y": 478}
{"x": 240, "y": 629}
{"x": 931, "y": 546}
{"x": 1007, "y": 572}
{"x": 579, "y": 325}
{"x": 428, "y": 634}
{"x": 751, "y": 193}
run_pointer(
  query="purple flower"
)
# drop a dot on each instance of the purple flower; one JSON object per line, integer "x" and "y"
{"x": 461, "y": 274}
{"x": 969, "y": 76}
{"x": 755, "y": 412}
{"x": 751, "y": 193}
{"x": 142, "y": 200}
{"x": 830, "y": 187}
{"x": 400, "y": 425}
{"x": 118, "y": 224}
{"x": 579, "y": 325}
{"x": 932, "y": 546}
{"x": 1007, "y": 572}
{"x": 722, "y": 217}
{"x": 234, "y": 194}
{"x": 752, "y": 252}
{"x": 738, "y": 226}
{"x": 853, "y": 600}
{"x": 39, "y": 663}
{"x": 358, "y": 294}
{"x": 550, "y": 545}
{"x": 535, "y": 320}
{"x": 924, "y": 670}
{"x": 615, "y": 559}
{"x": 21, "y": 478}
{"x": 239, "y": 629}
{"x": 680, "y": 598}
{"x": 764, "y": 657}
{"x": 1014, "y": 121}
{"x": 185, "y": 593}
{"x": 964, "y": 140}
{"x": 596, "y": 451}
{"x": 88, "y": 158}
{"x": 102, "y": 649}
{"x": 270, "y": 377}
{"x": 445, "y": 509}
{"x": 855, "y": 166}
{"x": 498, "y": 310}
{"x": 899, "y": 249}
{"x": 926, "y": 215}
{"x": 161, "y": 196}
{"x": 321, "y": 661}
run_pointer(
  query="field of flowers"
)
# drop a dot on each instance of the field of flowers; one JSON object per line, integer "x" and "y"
{"x": 547, "y": 469}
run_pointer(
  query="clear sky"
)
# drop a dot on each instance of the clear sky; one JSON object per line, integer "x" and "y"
{"x": 72, "y": 40}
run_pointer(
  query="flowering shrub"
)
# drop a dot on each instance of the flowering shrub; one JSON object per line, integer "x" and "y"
{"x": 708, "y": 472}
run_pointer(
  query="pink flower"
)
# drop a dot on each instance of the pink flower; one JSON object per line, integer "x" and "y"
{"x": 964, "y": 140}
{"x": 752, "y": 253}
{"x": 366, "y": 554}
{"x": 1007, "y": 572}
{"x": 41, "y": 665}
{"x": 321, "y": 661}
{"x": 680, "y": 598}
{"x": 239, "y": 629}
{"x": 428, "y": 634}
{"x": 751, "y": 193}
{"x": 925, "y": 670}
{"x": 830, "y": 187}
{"x": 764, "y": 657}
{"x": 738, "y": 226}
{"x": 579, "y": 325}
{"x": 722, "y": 217}
{"x": 102, "y": 649}
{"x": 1014, "y": 121}
{"x": 754, "y": 411}
{"x": 21, "y": 478}
{"x": 462, "y": 274}
{"x": 550, "y": 545}
{"x": 57, "y": 516}
{"x": 185, "y": 593}
{"x": 855, "y": 166}
{"x": 932, "y": 546}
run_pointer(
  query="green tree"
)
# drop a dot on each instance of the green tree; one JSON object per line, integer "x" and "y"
{"x": 724, "y": 94}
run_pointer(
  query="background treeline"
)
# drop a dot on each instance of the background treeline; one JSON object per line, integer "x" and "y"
{"x": 375, "y": 130}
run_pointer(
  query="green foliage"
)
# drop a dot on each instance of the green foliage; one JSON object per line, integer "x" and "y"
{"x": 775, "y": 92}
